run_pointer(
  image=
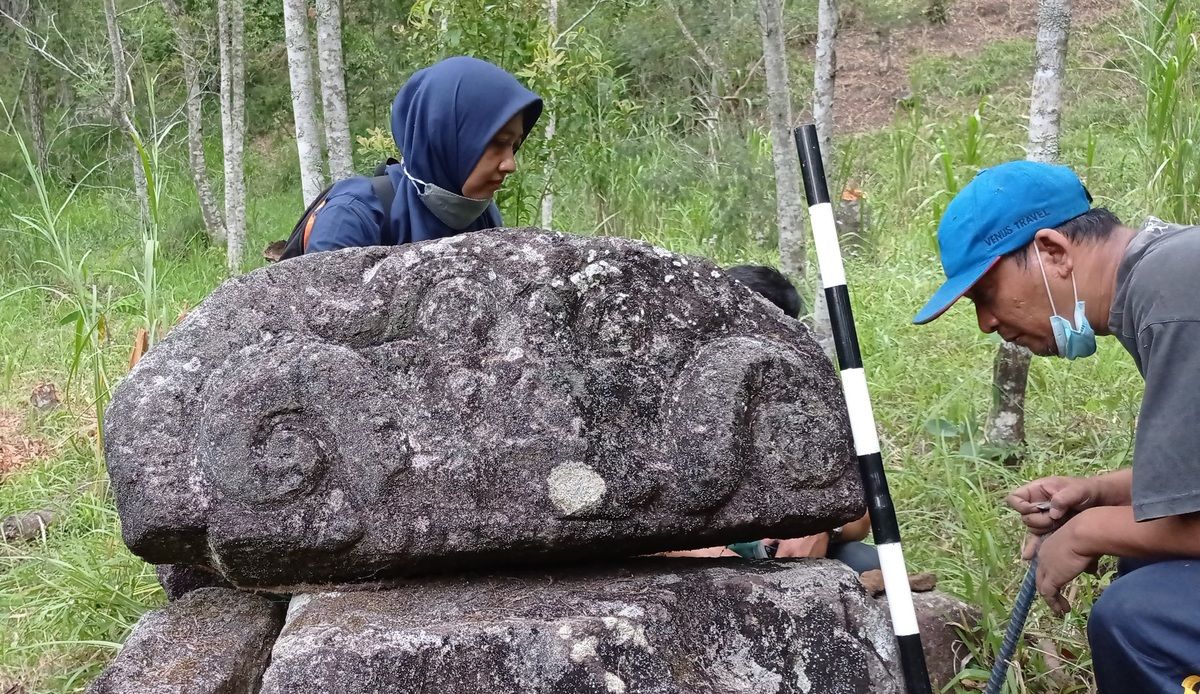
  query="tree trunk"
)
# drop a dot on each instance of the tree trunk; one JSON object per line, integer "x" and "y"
{"x": 1045, "y": 108}
{"x": 1006, "y": 420}
{"x": 551, "y": 127}
{"x": 231, "y": 27}
{"x": 333, "y": 89}
{"x": 121, "y": 106}
{"x": 185, "y": 40}
{"x": 716, "y": 81}
{"x": 789, "y": 208}
{"x": 36, "y": 112}
{"x": 824, "y": 78}
{"x": 304, "y": 105}
{"x": 35, "y": 99}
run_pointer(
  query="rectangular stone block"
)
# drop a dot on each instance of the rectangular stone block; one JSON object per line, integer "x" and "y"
{"x": 210, "y": 641}
{"x": 653, "y": 626}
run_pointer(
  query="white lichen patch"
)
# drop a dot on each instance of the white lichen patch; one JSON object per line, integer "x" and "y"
{"x": 369, "y": 273}
{"x": 575, "y": 487}
{"x": 584, "y": 648}
{"x": 625, "y": 631}
{"x": 592, "y": 273}
{"x": 423, "y": 461}
{"x": 614, "y": 684}
{"x": 801, "y": 673}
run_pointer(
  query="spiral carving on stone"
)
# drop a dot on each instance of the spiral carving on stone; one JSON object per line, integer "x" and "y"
{"x": 734, "y": 407}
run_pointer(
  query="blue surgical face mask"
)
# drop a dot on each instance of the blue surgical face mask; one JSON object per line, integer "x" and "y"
{"x": 1071, "y": 342}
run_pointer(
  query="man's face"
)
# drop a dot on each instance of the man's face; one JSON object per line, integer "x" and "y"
{"x": 1011, "y": 300}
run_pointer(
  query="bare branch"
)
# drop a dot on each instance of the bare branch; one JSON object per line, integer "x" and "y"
{"x": 139, "y": 8}
{"x": 38, "y": 44}
{"x": 749, "y": 78}
{"x": 716, "y": 67}
{"x": 576, "y": 23}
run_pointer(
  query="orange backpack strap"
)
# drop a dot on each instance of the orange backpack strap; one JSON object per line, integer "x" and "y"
{"x": 308, "y": 226}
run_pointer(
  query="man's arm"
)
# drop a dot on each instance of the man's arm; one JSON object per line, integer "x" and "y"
{"x": 1068, "y": 496}
{"x": 857, "y": 529}
{"x": 1111, "y": 530}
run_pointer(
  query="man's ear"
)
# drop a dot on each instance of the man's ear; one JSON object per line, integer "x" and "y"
{"x": 1055, "y": 250}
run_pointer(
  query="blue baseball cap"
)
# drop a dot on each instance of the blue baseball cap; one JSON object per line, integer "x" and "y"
{"x": 998, "y": 212}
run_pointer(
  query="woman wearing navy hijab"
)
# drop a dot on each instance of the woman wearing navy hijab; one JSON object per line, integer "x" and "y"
{"x": 458, "y": 125}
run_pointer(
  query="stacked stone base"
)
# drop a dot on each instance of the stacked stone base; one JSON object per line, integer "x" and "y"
{"x": 650, "y": 626}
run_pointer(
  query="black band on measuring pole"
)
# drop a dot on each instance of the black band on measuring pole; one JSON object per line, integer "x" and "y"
{"x": 884, "y": 527}
{"x": 841, "y": 318}
{"x": 815, "y": 187}
{"x": 912, "y": 662}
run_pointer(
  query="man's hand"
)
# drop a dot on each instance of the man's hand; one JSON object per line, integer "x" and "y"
{"x": 1066, "y": 496}
{"x": 814, "y": 546}
{"x": 1060, "y": 561}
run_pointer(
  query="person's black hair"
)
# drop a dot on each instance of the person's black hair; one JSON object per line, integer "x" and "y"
{"x": 770, "y": 283}
{"x": 1093, "y": 226}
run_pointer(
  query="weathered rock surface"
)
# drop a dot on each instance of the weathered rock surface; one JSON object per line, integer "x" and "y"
{"x": 939, "y": 615}
{"x": 648, "y": 627}
{"x": 502, "y": 397}
{"x": 211, "y": 641}
{"x": 177, "y": 580}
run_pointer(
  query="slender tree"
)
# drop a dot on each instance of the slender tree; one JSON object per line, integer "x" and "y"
{"x": 231, "y": 28}
{"x": 189, "y": 47}
{"x": 333, "y": 89}
{"x": 825, "y": 76}
{"x": 717, "y": 77}
{"x": 24, "y": 15}
{"x": 788, "y": 203}
{"x": 304, "y": 104}
{"x": 122, "y": 106}
{"x": 824, "y": 80}
{"x": 1006, "y": 420}
{"x": 551, "y": 125}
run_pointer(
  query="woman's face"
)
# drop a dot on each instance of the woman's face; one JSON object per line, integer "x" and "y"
{"x": 498, "y": 161}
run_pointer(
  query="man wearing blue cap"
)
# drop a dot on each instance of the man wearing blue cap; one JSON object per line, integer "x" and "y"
{"x": 1048, "y": 272}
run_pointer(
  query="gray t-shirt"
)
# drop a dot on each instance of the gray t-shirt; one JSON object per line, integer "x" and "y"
{"x": 1156, "y": 316}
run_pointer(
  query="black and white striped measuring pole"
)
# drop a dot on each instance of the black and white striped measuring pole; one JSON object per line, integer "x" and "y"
{"x": 884, "y": 527}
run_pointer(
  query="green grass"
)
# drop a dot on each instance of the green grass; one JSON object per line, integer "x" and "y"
{"x": 67, "y": 601}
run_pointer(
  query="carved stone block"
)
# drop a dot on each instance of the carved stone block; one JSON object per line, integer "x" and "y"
{"x": 502, "y": 397}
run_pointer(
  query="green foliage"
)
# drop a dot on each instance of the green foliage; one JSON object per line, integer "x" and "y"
{"x": 80, "y": 273}
{"x": 1170, "y": 137}
{"x": 998, "y": 65}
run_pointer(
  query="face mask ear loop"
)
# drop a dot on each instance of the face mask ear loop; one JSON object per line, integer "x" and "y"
{"x": 1047, "y": 282}
{"x": 1078, "y": 323}
{"x": 417, "y": 183}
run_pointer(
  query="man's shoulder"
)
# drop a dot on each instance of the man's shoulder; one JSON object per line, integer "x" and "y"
{"x": 1164, "y": 252}
{"x": 1163, "y": 281}
{"x": 1162, "y": 240}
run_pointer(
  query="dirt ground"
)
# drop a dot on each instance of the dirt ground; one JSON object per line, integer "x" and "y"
{"x": 873, "y": 65}
{"x": 16, "y": 448}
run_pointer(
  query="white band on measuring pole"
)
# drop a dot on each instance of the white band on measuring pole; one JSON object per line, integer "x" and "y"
{"x": 829, "y": 255}
{"x": 895, "y": 582}
{"x": 862, "y": 416}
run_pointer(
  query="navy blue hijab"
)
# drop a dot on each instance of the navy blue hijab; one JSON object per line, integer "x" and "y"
{"x": 442, "y": 121}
